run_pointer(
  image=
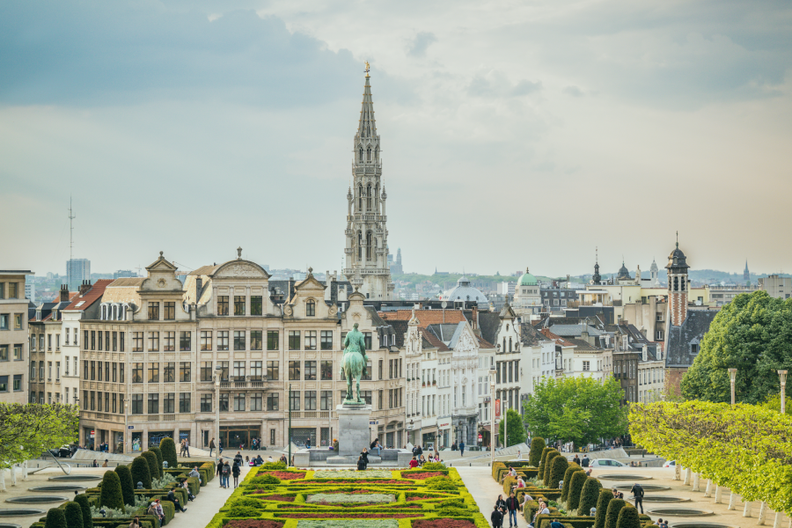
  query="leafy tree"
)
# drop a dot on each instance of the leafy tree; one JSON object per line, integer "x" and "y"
{"x": 168, "y": 448}
{"x": 581, "y": 410}
{"x": 557, "y": 471}
{"x": 548, "y": 466}
{"x": 111, "y": 496}
{"x": 74, "y": 516}
{"x": 55, "y": 519}
{"x": 127, "y": 486}
{"x": 753, "y": 334}
{"x": 628, "y": 518}
{"x": 85, "y": 504}
{"x": 157, "y": 451}
{"x": 537, "y": 446}
{"x": 154, "y": 469}
{"x": 612, "y": 515}
{"x": 28, "y": 430}
{"x": 568, "y": 480}
{"x": 516, "y": 433}
{"x": 140, "y": 472}
{"x": 575, "y": 488}
{"x": 589, "y": 496}
{"x": 773, "y": 403}
{"x": 605, "y": 496}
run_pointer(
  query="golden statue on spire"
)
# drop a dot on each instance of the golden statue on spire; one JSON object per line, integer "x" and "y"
{"x": 368, "y": 69}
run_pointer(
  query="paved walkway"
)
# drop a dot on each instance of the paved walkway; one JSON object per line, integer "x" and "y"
{"x": 480, "y": 484}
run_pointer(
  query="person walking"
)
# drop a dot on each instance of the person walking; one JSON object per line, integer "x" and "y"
{"x": 235, "y": 471}
{"x": 225, "y": 473}
{"x": 220, "y": 471}
{"x": 187, "y": 447}
{"x": 585, "y": 461}
{"x": 512, "y": 505}
{"x": 462, "y": 448}
{"x": 500, "y": 503}
{"x": 638, "y": 493}
{"x": 496, "y": 517}
{"x": 212, "y": 446}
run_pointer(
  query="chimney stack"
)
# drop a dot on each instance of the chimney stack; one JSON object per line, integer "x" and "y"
{"x": 198, "y": 287}
{"x": 84, "y": 287}
{"x": 64, "y": 293}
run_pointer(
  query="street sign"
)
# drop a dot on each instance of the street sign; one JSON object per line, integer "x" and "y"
{"x": 497, "y": 408}
{"x": 374, "y": 422}
{"x": 130, "y": 427}
{"x": 480, "y": 438}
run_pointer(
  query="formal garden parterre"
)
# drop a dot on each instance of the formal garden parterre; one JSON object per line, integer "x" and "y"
{"x": 275, "y": 497}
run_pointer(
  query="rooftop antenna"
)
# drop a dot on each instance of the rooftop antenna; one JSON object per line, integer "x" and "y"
{"x": 71, "y": 242}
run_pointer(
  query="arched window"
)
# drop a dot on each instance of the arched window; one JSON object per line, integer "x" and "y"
{"x": 376, "y": 153}
{"x": 310, "y": 308}
{"x": 368, "y": 154}
{"x": 360, "y": 245}
{"x": 360, "y": 196}
{"x": 368, "y": 196}
{"x": 368, "y": 245}
{"x": 360, "y": 150}
{"x": 104, "y": 312}
{"x": 510, "y": 344}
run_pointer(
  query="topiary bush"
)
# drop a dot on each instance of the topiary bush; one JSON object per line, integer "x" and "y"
{"x": 264, "y": 480}
{"x": 127, "y": 486}
{"x": 542, "y": 460}
{"x": 605, "y": 496}
{"x": 440, "y": 483}
{"x": 273, "y": 465}
{"x": 55, "y": 519}
{"x": 589, "y": 496}
{"x": 85, "y": 504}
{"x": 612, "y": 516}
{"x": 140, "y": 472}
{"x": 168, "y": 448}
{"x": 557, "y": 471}
{"x": 548, "y": 465}
{"x": 535, "y": 454}
{"x": 575, "y": 488}
{"x": 111, "y": 495}
{"x": 74, "y": 516}
{"x": 153, "y": 464}
{"x": 628, "y": 518}
{"x": 158, "y": 452}
{"x": 433, "y": 466}
{"x": 572, "y": 468}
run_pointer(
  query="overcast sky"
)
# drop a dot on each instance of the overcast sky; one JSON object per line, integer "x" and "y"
{"x": 514, "y": 133}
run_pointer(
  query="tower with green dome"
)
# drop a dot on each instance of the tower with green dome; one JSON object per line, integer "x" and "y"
{"x": 527, "y": 296}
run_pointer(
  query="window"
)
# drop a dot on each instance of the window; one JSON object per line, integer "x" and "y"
{"x": 4, "y": 322}
{"x": 222, "y": 305}
{"x": 153, "y": 311}
{"x": 256, "y": 368}
{"x": 206, "y": 340}
{"x": 310, "y": 371}
{"x": 137, "y": 404}
{"x": 327, "y": 370}
{"x": 115, "y": 341}
{"x": 99, "y": 369}
{"x": 120, "y": 341}
{"x": 256, "y": 305}
{"x": 310, "y": 400}
{"x": 255, "y": 401}
{"x": 294, "y": 340}
{"x": 185, "y": 341}
{"x": 326, "y": 400}
{"x": 379, "y": 371}
{"x": 294, "y": 400}
{"x": 121, "y": 372}
{"x": 100, "y": 341}
{"x": 294, "y": 370}
{"x": 239, "y": 402}
{"x": 115, "y": 372}
{"x": 310, "y": 308}
{"x": 256, "y": 341}
{"x": 224, "y": 402}
{"x": 17, "y": 382}
{"x": 327, "y": 340}
{"x": 206, "y": 371}
{"x": 185, "y": 402}
{"x": 367, "y": 374}
{"x": 185, "y": 371}
{"x": 239, "y": 340}
{"x": 93, "y": 371}
{"x": 206, "y": 403}
{"x": 170, "y": 310}
{"x": 273, "y": 370}
{"x": 223, "y": 370}
{"x": 57, "y": 371}
{"x": 13, "y": 290}
{"x": 153, "y": 403}
{"x": 694, "y": 348}
{"x": 273, "y": 340}
{"x": 153, "y": 372}
{"x": 93, "y": 341}
{"x": 310, "y": 340}
{"x": 3, "y": 352}
{"x": 169, "y": 403}
{"x": 239, "y": 305}
{"x": 586, "y": 365}
{"x": 272, "y": 401}
{"x": 170, "y": 342}
{"x": 222, "y": 340}
{"x": 239, "y": 370}
{"x": 367, "y": 339}
{"x": 153, "y": 345}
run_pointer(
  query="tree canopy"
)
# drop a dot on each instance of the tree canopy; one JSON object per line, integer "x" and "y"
{"x": 581, "y": 410}
{"x": 753, "y": 334}
{"x": 28, "y": 430}
{"x": 516, "y": 429}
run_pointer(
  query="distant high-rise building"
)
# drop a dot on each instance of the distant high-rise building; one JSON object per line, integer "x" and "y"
{"x": 77, "y": 271}
{"x": 120, "y": 274}
{"x": 30, "y": 289}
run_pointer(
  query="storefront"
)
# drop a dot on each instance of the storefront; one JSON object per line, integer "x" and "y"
{"x": 300, "y": 435}
{"x": 444, "y": 432}
{"x": 238, "y": 436}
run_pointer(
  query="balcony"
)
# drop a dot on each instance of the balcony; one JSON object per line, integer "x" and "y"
{"x": 251, "y": 383}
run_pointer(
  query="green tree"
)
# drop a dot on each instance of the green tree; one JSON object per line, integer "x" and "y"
{"x": 85, "y": 504}
{"x": 628, "y": 518}
{"x": 157, "y": 451}
{"x": 580, "y": 410}
{"x": 568, "y": 480}
{"x": 612, "y": 515}
{"x": 127, "y": 486}
{"x": 557, "y": 471}
{"x": 605, "y": 496}
{"x": 168, "y": 448}
{"x": 111, "y": 496}
{"x": 548, "y": 466}
{"x": 154, "y": 469}
{"x": 773, "y": 403}
{"x": 516, "y": 433}
{"x": 753, "y": 334}
{"x": 74, "y": 516}
{"x": 28, "y": 430}
{"x": 575, "y": 489}
{"x": 140, "y": 472}
{"x": 55, "y": 519}
{"x": 589, "y": 496}
{"x": 537, "y": 446}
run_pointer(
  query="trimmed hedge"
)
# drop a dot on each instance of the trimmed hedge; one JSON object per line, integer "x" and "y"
{"x": 74, "y": 516}
{"x": 153, "y": 464}
{"x": 612, "y": 516}
{"x": 575, "y": 488}
{"x": 557, "y": 471}
{"x": 535, "y": 454}
{"x": 82, "y": 500}
{"x": 55, "y": 519}
{"x": 168, "y": 448}
{"x": 628, "y": 518}
{"x": 111, "y": 495}
{"x": 548, "y": 465}
{"x": 605, "y": 496}
{"x": 140, "y": 472}
{"x": 127, "y": 486}
{"x": 568, "y": 480}
{"x": 589, "y": 496}
{"x": 158, "y": 452}
{"x": 542, "y": 459}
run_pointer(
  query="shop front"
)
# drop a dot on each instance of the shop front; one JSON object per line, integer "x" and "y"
{"x": 444, "y": 432}
{"x": 239, "y": 436}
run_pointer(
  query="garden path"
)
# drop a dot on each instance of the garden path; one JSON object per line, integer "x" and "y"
{"x": 480, "y": 484}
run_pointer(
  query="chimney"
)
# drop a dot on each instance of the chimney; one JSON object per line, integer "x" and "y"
{"x": 198, "y": 287}
{"x": 64, "y": 293}
{"x": 84, "y": 287}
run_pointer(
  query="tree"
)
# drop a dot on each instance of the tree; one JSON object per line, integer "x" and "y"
{"x": 85, "y": 504}
{"x": 575, "y": 488}
{"x": 140, "y": 472}
{"x": 537, "y": 446}
{"x": 28, "y": 430}
{"x": 753, "y": 334}
{"x": 605, "y": 496}
{"x": 154, "y": 469}
{"x": 516, "y": 433}
{"x": 74, "y": 516}
{"x": 55, "y": 519}
{"x": 628, "y": 518}
{"x": 542, "y": 459}
{"x": 168, "y": 448}
{"x": 127, "y": 486}
{"x": 557, "y": 471}
{"x": 111, "y": 496}
{"x": 612, "y": 515}
{"x": 589, "y": 496}
{"x": 581, "y": 410}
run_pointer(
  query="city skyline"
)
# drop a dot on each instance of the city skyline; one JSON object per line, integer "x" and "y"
{"x": 528, "y": 131}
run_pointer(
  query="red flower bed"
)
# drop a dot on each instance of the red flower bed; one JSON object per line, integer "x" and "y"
{"x": 349, "y": 516}
{"x": 364, "y": 482}
{"x": 424, "y": 475}
{"x": 442, "y": 523}
{"x": 353, "y": 492}
{"x": 285, "y": 475}
{"x": 282, "y": 498}
{"x": 253, "y": 523}
{"x": 419, "y": 498}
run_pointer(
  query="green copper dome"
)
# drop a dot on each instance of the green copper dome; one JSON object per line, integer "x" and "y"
{"x": 526, "y": 279}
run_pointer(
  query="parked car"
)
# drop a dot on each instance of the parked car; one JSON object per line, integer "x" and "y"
{"x": 670, "y": 463}
{"x": 65, "y": 451}
{"x": 606, "y": 462}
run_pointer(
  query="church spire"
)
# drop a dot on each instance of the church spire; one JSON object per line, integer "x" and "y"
{"x": 367, "y": 127}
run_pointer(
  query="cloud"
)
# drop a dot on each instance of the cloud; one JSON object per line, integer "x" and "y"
{"x": 420, "y": 43}
{"x": 572, "y": 90}
{"x": 496, "y": 84}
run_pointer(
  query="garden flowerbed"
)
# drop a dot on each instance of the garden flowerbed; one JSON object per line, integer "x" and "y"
{"x": 426, "y": 475}
{"x": 254, "y": 523}
{"x": 285, "y": 475}
{"x": 356, "y": 515}
{"x": 279, "y": 498}
{"x": 443, "y": 523}
{"x": 350, "y": 498}
{"x": 348, "y": 473}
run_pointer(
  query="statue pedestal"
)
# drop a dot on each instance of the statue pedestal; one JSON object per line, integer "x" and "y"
{"x": 353, "y": 429}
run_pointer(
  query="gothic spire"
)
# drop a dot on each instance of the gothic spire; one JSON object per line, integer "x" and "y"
{"x": 367, "y": 128}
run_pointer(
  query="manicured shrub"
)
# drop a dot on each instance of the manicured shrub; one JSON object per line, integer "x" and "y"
{"x": 153, "y": 464}
{"x": 433, "y": 466}
{"x": 252, "y": 523}
{"x": 85, "y": 504}
{"x": 605, "y": 496}
{"x": 127, "y": 486}
{"x": 248, "y": 502}
{"x": 264, "y": 480}
{"x": 140, "y": 472}
{"x": 572, "y": 468}
{"x": 74, "y": 516}
{"x": 168, "y": 448}
{"x": 589, "y": 496}
{"x": 111, "y": 495}
{"x": 157, "y": 451}
{"x": 542, "y": 459}
{"x": 55, "y": 519}
{"x": 575, "y": 488}
{"x": 548, "y": 465}
{"x": 273, "y": 465}
{"x": 628, "y": 518}
{"x": 537, "y": 446}
{"x": 440, "y": 483}
{"x": 243, "y": 511}
{"x": 557, "y": 471}
{"x": 612, "y": 516}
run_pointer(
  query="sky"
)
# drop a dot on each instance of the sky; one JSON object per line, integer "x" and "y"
{"x": 515, "y": 133}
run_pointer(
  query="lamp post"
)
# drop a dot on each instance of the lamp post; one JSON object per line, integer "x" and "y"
{"x": 732, "y": 379}
{"x": 218, "y": 372}
{"x": 505, "y": 418}
{"x": 492, "y": 416}
{"x": 126, "y": 423}
{"x": 782, "y": 374}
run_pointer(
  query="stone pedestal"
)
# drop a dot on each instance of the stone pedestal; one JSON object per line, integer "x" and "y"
{"x": 353, "y": 429}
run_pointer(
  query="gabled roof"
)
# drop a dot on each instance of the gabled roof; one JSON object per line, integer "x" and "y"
{"x": 558, "y": 339}
{"x": 680, "y": 338}
{"x": 489, "y": 324}
{"x": 426, "y": 317}
{"x": 400, "y": 327}
{"x": 584, "y": 345}
{"x": 530, "y": 336}
{"x": 431, "y": 341}
{"x": 574, "y": 330}
{"x": 82, "y": 302}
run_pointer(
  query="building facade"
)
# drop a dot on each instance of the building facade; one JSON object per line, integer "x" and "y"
{"x": 14, "y": 352}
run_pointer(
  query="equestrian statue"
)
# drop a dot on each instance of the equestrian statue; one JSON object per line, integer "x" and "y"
{"x": 354, "y": 363}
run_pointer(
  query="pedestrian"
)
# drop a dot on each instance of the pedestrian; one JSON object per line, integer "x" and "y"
{"x": 175, "y": 501}
{"x": 462, "y": 448}
{"x": 187, "y": 447}
{"x": 500, "y": 503}
{"x": 519, "y": 455}
{"x": 496, "y": 517}
{"x": 364, "y": 455}
{"x": 308, "y": 443}
{"x": 220, "y": 447}
{"x": 638, "y": 493}
{"x": 374, "y": 445}
{"x": 220, "y": 471}
{"x": 235, "y": 471}
{"x": 135, "y": 523}
{"x": 585, "y": 461}
{"x": 212, "y": 446}
{"x": 661, "y": 523}
{"x": 224, "y": 474}
{"x": 512, "y": 505}
{"x": 105, "y": 463}
{"x": 576, "y": 460}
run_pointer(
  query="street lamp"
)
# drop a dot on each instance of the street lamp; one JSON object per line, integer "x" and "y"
{"x": 126, "y": 422}
{"x": 492, "y": 415}
{"x": 732, "y": 379}
{"x": 504, "y": 417}
{"x": 783, "y": 374}
{"x": 218, "y": 370}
